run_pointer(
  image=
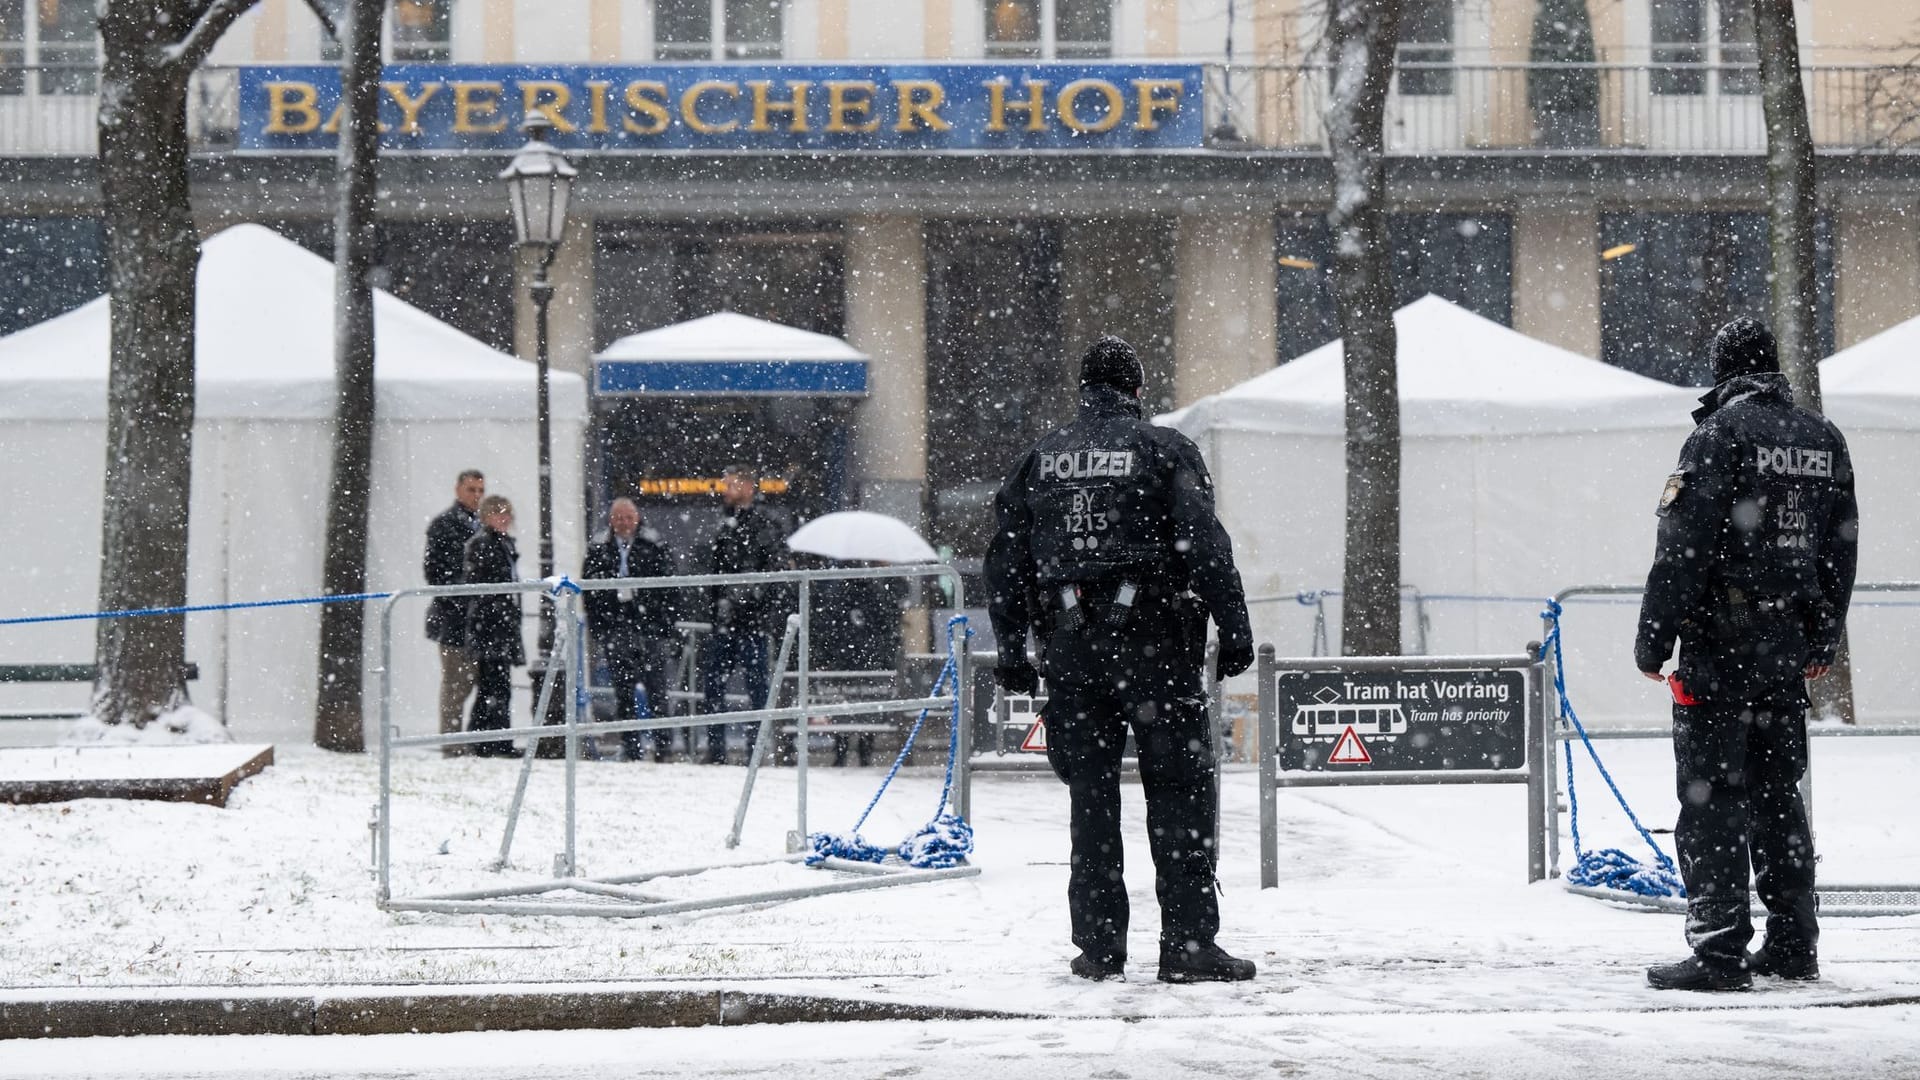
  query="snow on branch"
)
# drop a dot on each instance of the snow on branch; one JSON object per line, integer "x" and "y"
{"x": 193, "y": 49}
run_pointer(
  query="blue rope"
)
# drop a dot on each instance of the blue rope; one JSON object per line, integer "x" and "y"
{"x": 1607, "y": 868}
{"x": 556, "y": 587}
{"x": 946, "y": 840}
{"x": 142, "y": 613}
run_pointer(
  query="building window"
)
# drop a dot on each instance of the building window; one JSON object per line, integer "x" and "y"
{"x": 1695, "y": 41}
{"x": 422, "y": 31}
{"x": 1668, "y": 281}
{"x": 1049, "y": 29}
{"x": 419, "y": 32}
{"x": 13, "y": 47}
{"x": 58, "y": 39}
{"x": 1426, "y": 48}
{"x": 51, "y": 264}
{"x": 747, "y": 29}
{"x": 1464, "y": 258}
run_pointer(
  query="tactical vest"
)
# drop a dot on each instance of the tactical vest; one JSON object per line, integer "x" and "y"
{"x": 1098, "y": 490}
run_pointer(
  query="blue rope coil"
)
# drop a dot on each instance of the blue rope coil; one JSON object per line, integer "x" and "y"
{"x": 1606, "y": 868}
{"x": 946, "y": 840}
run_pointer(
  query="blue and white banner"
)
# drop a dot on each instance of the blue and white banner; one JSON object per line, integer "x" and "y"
{"x": 913, "y": 108}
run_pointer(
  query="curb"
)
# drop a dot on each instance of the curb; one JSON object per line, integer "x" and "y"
{"x": 434, "y": 1013}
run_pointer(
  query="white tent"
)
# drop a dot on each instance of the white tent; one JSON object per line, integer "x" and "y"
{"x": 1872, "y": 391}
{"x": 1526, "y": 469}
{"x": 732, "y": 354}
{"x": 262, "y": 440}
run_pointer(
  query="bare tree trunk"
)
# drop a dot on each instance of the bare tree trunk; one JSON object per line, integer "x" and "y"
{"x": 1791, "y": 198}
{"x": 1792, "y": 208}
{"x": 149, "y": 51}
{"x": 1362, "y": 37}
{"x": 339, "y": 720}
{"x": 153, "y": 253}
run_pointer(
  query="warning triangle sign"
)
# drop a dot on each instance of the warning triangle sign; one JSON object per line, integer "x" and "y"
{"x": 1036, "y": 740}
{"x": 1349, "y": 750}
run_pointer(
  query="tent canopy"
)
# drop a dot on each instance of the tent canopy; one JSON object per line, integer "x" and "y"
{"x": 730, "y": 354}
{"x": 1876, "y": 384}
{"x": 1460, "y": 374}
{"x": 264, "y": 350}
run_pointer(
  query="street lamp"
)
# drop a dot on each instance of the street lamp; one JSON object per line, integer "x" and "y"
{"x": 539, "y": 180}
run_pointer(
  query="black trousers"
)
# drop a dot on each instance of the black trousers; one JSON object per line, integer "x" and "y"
{"x": 492, "y": 704}
{"x": 1739, "y": 765}
{"x": 634, "y": 659}
{"x": 1086, "y": 734}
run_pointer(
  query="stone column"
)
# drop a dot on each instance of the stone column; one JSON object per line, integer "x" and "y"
{"x": 1224, "y": 302}
{"x": 886, "y": 260}
{"x": 1876, "y": 269}
{"x": 1556, "y": 276}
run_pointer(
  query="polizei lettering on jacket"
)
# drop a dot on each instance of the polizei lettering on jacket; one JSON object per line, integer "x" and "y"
{"x": 1794, "y": 461}
{"x": 1086, "y": 464}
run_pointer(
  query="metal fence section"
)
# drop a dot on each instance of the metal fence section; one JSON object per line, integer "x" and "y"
{"x": 1843, "y": 899}
{"x": 1532, "y": 771}
{"x": 570, "y": 891}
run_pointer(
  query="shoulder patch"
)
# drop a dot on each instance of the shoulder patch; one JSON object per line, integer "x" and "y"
{"x": 1675, "y": 485}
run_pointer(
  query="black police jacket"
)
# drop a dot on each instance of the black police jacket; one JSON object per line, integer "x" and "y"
{"x": 447, "y": 536}
{"x": 647, "y": 611}
{"x": 1110, "y": 500}
{"x": 1758, "y": 537}
{"x": 748, "y": 541}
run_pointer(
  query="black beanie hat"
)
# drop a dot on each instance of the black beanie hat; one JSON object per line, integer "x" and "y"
{"x": 1743, "y": 347}
{"x": 1110, "y": 361}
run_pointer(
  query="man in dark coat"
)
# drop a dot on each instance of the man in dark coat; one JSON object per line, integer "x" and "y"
{"x": 447, "y": 536}
{"x": 1107, "y": 548}
{"x": 494, "y": 635}
{"x": 747, "y": 541}
{"x": 632, "y": 627}
{"x": 1752, "y": 576}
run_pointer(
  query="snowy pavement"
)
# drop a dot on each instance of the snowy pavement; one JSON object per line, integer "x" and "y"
{"x": 1403, "y": 931}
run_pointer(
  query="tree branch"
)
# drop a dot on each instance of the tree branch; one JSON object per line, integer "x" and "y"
{"x": 193, "y": 49}
{"x": 332, "y": 15}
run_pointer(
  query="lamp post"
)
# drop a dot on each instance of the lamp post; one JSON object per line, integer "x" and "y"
{"x": 539, "y": 180}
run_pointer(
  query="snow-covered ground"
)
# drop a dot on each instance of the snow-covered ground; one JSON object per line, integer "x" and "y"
{"x": 1403, "y": 932}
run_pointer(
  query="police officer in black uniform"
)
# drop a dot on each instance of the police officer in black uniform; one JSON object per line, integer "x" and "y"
{"x": 1107, "y": 548}
{"x": 1752, "y": 574}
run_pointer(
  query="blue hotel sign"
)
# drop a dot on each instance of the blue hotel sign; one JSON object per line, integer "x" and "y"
{"x": 915, "y": 108}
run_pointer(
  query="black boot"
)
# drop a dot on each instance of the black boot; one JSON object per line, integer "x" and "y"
{"x": 1694, "y": 974}
{"x": 1098, "y": 969}
{"x": 1798, "y": 965}
{"x": 1202, "y": 963}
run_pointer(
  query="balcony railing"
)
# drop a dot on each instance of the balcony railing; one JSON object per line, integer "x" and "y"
{"x": 1587, "y": 108}
{"x": 1435, "y": 109}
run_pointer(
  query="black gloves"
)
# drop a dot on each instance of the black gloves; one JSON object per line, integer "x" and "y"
{"x": 1235, "y": 657}
{"x": 1016, "y": 676}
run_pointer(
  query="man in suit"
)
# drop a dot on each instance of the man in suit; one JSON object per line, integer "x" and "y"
{"x": 447, "y": 536}
{"x": 632, "y": 627}
{"x": 748, "y": 540}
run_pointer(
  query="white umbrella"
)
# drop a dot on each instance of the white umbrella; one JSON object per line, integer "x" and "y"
{"x": 863, "y": 536}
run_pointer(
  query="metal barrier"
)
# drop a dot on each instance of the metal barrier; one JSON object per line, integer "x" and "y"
{"x": 1317, "y": 600}
{"x": 1846, "y": 899}
{"x": 1532, "y": 771}
{"x": 996, "y": 719}
{"x": 569, "y": 891}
